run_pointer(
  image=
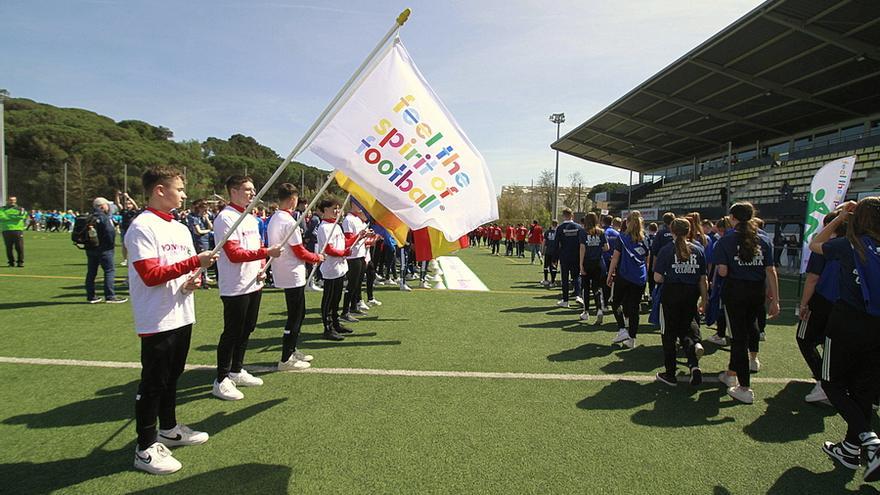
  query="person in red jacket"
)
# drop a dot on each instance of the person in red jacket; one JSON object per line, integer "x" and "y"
{"x": 536, "y": 238}
{"x": 508, "y": 240}
{"x": 521, "y": 233}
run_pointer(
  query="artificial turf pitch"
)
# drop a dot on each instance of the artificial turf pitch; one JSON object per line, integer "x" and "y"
{"x": 70, "y": 429}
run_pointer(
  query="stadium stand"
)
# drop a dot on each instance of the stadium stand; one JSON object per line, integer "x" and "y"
{"x": 787, "y": 88}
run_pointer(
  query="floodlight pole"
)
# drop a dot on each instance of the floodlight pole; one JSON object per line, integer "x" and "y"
{"x": 558, "y": 119}
{"x": 65, "y": 187}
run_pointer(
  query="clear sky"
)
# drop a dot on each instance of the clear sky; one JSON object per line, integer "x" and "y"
{"x": 266, "y": 68}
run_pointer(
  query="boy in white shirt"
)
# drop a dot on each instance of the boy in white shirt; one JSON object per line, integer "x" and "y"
{"x": 333, "y": 244}
{"x": 241, "y": 259}
{"x": 352, "y": 225}
{"x": 160, "y": 259}
{"x": 289, "y": 273}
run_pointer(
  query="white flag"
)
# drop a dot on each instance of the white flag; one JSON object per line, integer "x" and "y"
{"x": 827, "y": 191}
{"x": 396, "y": 139}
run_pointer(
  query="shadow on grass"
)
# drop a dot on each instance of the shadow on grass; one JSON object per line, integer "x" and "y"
{"x": 114, "y": 403}
{"x": 677, "y": 407}
{"x": 527, "y": 309}
{"x": 586, "y": 351}
{"x": 38, "y": 304}
{"x": 797, "y": 481}
{"x": 561, "y": 324}
{"x": 643, "y": 358}
{"x": 788, "y": 417}
{"x": 32, "y": 478}
{"x": 242, "y": 478}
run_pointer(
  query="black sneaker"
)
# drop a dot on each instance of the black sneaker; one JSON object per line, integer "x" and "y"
{"x": 332, "y": 335}
{"x": 10, "y": 264}
{"x": 116, "y": 300}
{"x": 342, "y": 329}
{"x": 696, "y": 376}
{"x": 20, "y": 264}
{"x": 664, "y": 377}
{"x": 845, "y": 456}
{"x": 872, "y": 471}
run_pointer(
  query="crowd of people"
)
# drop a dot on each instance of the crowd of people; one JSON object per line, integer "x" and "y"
{"x": 693, "y": 272}
{"x": 168, "y": 251}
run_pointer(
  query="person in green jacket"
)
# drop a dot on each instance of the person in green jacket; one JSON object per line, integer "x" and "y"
{"x": 12, "y": 219}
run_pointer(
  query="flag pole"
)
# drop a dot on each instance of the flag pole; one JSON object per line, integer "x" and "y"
{"x": 299, "y": 222}
{"x": 303, "y": 142}
{"x": 332, "y": 230}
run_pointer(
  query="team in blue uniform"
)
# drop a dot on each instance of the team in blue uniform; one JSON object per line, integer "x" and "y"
{"x": 593, "y": 268}
{"x": 681, "y": 267}
{"x": 744, "y": 258}
{"x": 850, "y": 370}
{"x": 628, "y": 274}
{"x": 569, "y": 237}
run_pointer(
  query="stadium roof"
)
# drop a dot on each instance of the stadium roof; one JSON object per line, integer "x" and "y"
{"x": 786, "y": 67}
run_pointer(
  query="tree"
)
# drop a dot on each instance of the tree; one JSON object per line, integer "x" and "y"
{"x": 607, "y": 186}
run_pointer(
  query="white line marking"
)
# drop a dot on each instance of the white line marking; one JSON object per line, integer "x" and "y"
{"x": 380, "y": 372}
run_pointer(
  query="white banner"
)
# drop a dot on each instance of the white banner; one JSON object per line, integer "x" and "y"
{"x": 826, "y": 192}
{"x": 396, "y": 139}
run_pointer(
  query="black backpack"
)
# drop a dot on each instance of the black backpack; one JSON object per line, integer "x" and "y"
{"x": 84, "y": 234}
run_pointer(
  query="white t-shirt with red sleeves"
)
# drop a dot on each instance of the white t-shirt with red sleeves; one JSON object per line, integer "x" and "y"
{"x": 330, "y": 234}
{"x": 235, "y": 277}
{"x": 166, "y": 306}
{"x": 288, "y": 271}
{"x": 351, "y": 224}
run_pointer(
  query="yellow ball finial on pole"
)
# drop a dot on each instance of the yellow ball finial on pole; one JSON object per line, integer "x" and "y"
{"x": 402, "y": 18}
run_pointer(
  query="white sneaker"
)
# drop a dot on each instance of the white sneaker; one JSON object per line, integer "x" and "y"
{"x": 579, "y": 300}
{"x": 293, "y": 364}
{"x": 742, "y": 394}
{"x": 544, "y": 283}
{"x": 585, "y": 316}
{"x": 817, "y": 394}
{"x": 156, "y": 459}
{"x": 728, "y": 380}
{"x": 245, "y": 379}
{"x": 374, "y": 302}
{"x": 424, "y": 285}
{"x": 698, "y": 350}
{"x": 347, "y": 317}
{"x": 313, "y": 287}
{"x": 599, "y": 317}
{"x": 123, "y": 263}
{"x": 629, "y": 343}
{"x": 379, "y": 277}
{"x": 762, "y": 337}
{"x": 717, "y": 340}
{"x": 182, "y": 435}
{"x": 622, "y": 335}
{"x": 303, "y": 357}
{"x": 405, "y": 288}
{"x": 226, "y": 390}
{"x": 362, "y": 306}
{"x": 562, "y": 304}
{"x": 754, "y": 365}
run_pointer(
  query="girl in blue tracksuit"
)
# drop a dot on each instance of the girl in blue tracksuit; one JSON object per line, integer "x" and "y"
{"x": 592, "y": 266}
{"x": 681, "y": 267}
{"x": 744, "y": 258}
{"x": 851, "y": 363}
{"x": 820, "y": 293}
{"x": 627, "y": 274}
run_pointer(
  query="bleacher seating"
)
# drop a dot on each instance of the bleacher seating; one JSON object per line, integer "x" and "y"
{"x": 761, "y": 184}
{"x": 706, "y": 191}
{"x": 799, "y": 173}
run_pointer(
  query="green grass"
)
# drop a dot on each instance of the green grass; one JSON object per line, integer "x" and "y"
{"x": 70, "y": 429}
